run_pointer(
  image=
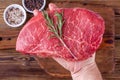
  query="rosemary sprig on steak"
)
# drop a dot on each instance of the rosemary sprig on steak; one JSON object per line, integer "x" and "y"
{"x": 56, "y": 29}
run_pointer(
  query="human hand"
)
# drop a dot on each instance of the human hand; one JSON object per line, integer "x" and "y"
{"x": 81, "y": 70}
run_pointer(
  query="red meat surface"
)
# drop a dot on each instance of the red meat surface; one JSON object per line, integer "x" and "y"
{"x": 82, "y": 33}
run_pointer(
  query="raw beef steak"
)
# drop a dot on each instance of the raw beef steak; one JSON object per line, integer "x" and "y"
{"x": 82, "y": 33}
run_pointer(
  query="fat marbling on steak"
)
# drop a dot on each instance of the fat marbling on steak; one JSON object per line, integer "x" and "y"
{"x": 82, "y": 33}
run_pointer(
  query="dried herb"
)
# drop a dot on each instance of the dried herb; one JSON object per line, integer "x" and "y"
{"x": 56, "y": 29}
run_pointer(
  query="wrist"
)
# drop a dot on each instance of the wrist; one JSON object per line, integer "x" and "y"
{"x": 88, "y": 72}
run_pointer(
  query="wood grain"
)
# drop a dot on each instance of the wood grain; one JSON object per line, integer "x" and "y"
{"x": 117, "y": 48}
{"x": 15, "y": 66}
{"x": 117, "y": 26}
{"x": 111, "y": 3}
{"x": 9, "y": 35}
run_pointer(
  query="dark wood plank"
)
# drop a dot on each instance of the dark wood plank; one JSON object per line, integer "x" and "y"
{"x": 105, "y": 55}
{"x": 117, "y": 26}
{"x": 112, "y": 3}
{"x": 14, "y": 71}
{"x": 14, "y": 66}
{"x": 5, "y": 3}
{"x": 9, "y": 35}
{"x": 117, "y": 48}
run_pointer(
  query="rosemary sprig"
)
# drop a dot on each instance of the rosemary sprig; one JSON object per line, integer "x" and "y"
{"x": 60, "y": 23}
{"x": 57, "y": 29}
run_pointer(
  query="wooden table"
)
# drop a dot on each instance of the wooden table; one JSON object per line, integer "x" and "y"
{"x": 14, "y": 66}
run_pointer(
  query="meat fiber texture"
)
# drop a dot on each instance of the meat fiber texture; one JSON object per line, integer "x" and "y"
{"x": 83, "y": 30}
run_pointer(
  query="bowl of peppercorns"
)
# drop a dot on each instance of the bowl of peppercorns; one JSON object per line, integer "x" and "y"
{"x": 31, "y": 5}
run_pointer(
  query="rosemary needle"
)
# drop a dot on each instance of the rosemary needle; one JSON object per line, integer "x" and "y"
{"x": 57, "y": 30}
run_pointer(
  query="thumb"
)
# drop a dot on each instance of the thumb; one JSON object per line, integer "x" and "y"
{"x": 52, "y": 6}
{"x": 35, "y": 12}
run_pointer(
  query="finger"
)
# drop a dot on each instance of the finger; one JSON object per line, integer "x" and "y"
{"x": 61, "y": 61}
{"x": 69, "y": 65}
{"x": 92, "y": 58}
{"x": 52, "y": 6}
{"x": 35, "y": 12}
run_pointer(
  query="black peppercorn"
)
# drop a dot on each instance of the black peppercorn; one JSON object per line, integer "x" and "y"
{"x": 33, "y": 4}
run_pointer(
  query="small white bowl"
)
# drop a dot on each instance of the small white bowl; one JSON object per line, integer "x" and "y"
{"x": 23, "y": 3}
{"x": 15, "y": 6}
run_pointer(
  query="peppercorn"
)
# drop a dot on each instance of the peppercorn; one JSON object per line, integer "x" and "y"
{"x": 33, "y": 4}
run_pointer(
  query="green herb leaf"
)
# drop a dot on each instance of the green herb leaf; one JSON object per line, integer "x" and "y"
{"x": 60, "y": 23}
